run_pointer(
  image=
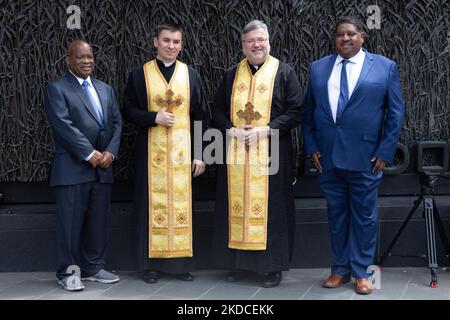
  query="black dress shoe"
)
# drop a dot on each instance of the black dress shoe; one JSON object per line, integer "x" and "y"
{"x": 185, "y": 276}
{"x": 151, "y": 276}
{"x": 234, "y": 276}
{"x": 272, "y": 279}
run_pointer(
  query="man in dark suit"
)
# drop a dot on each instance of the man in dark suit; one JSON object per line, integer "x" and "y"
{"x": 354, "y": 113}
{"x": 86, "y": 124}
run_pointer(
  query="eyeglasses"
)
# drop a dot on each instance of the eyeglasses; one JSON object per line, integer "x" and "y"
{"x": 253, "y": 41}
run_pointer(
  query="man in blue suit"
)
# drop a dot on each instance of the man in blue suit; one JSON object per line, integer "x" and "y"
{"x": 86, "y": 124}
{"x": 354, "y": 113}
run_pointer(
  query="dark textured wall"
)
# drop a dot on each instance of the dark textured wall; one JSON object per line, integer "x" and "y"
{"x": 34, "y": 36}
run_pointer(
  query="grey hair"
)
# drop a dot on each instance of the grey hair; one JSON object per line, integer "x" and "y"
{"x": 253, "y": 25}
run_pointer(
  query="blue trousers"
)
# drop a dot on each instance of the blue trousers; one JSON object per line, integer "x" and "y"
{"x": 352, "y": 202}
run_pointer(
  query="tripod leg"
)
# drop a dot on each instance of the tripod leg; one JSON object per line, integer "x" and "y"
{"x": 431, "y": 239}
{"x": 441, "y": 230}
{"x": 399, "y": 232}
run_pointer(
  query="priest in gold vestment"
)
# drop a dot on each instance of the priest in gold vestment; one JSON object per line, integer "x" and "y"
{"x": 258, "y": 103}
{"x": 163, "y": 98}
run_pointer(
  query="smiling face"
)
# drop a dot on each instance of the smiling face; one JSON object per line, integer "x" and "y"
{"x": 80, "y": 59}
{"x": 256, "y": 46}
{"x": 168, "y": 45}
{"x": 348, "y": 40}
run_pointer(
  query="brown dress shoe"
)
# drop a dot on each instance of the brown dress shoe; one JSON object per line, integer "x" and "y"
{"x": 363, "y": 286}
{"x": 336, "y": 280}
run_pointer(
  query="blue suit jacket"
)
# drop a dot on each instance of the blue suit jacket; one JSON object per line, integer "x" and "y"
{"x": 77, "y": 132}
{"x": 370, "y": 123}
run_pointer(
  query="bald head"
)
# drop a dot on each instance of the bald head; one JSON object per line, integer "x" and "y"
{"x": 75, "y": 43}
{"x": 80, "y": 59}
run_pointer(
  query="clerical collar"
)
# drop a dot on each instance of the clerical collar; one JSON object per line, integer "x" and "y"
{"x": 254, "y": 68}
{"x": 165, "y": 63}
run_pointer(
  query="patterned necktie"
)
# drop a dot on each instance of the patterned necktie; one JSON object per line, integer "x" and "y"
{"x": 343, "y": 94}
{"x": 97, "y": 109}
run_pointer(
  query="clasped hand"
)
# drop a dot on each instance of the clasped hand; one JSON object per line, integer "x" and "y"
{"x": 249, "y": 134}
{"x": 165, "y": 119}
{"x": 101, "y": 159}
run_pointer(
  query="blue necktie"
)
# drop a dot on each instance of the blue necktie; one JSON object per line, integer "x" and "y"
{"x": 343, "y": 94}
{"x": 97, "y": 109}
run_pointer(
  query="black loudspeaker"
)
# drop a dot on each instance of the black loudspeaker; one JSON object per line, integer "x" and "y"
{"x": 432, "y": 156}
{"x": 401, "y": 160}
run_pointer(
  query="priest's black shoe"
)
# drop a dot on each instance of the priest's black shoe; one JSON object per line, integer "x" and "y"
{"x": 272, "y": 279}
{"x": 185, "y": 276}
{"x": 151, "y": 276}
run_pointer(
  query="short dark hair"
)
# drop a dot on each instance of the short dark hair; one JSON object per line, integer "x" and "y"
{"x": 351, "y": 20}
{"x": 171, "y": 26}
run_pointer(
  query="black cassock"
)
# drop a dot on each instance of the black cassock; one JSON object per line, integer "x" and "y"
{"x": 286, "y": 114}
{"x": 135, "y": 111}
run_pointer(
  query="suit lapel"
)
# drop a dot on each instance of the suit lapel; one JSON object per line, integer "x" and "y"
{"x": 367, "y": 65}
{"x": 102, "y": 95}
{"x": 76, "y": 87}
{"x": 325, "y": 96}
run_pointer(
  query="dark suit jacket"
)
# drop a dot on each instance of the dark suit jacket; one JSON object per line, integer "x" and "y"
{"x": 77, "y": 132}
{"x": 370, "y": 122}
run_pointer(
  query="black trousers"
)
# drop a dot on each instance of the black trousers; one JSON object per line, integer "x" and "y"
{"x": 82, "y": 212}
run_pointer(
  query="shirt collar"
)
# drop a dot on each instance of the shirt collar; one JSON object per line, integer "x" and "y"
{"x": 81, "y": 80}
{"x": 167, "y": 64}
{"x": 357, "y": 58}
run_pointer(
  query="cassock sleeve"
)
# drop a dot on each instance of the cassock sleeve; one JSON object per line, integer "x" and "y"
{"x": 221, "y": 113}
{"x": 292, "y": 105}
{"x": 133, "y": 111}
{"x": 198, "y": 113}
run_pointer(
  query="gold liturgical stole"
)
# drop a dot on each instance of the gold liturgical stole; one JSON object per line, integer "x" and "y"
{"x": 248, "y": 167}
{"x": 169, "y": 165}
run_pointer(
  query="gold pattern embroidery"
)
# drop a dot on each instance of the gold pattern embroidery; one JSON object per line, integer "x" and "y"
{"x": 159, "y": 219}
{"x": 168, "y": 103}
{"x": 262, "y": 88}
{"x": 158, "y": 159}
{"x": 248, "y": 114}
{"x": 181, "y": 218}
{"x": 242, "y": 87}
{"x": 237, "y": 208}
{"x": 257, "y": 208}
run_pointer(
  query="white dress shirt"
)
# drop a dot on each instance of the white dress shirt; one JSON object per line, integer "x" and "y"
{"x": 94, "y": 95}
{"x": 90, "y": 88}
{"x": 354, "y": 67}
